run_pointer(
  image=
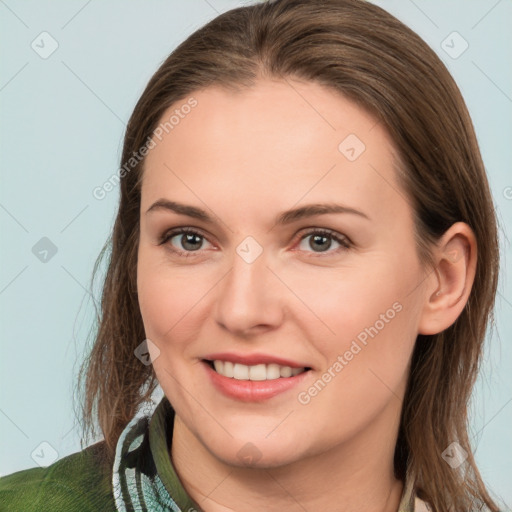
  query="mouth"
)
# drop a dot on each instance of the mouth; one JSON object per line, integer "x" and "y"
{"x": 258, "y": 372}
{"x": 255, "y": 382}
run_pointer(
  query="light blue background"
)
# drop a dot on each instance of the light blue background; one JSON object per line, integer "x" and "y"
{"x": 62, "y": 123}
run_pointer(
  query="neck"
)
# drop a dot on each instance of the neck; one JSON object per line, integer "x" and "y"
{"x": 353, "y": 476}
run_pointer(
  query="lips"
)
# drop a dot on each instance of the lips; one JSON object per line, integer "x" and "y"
{"x": 253, "y": 377}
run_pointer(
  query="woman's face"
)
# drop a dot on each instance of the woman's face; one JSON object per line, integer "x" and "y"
{"x": 311, "y": 317}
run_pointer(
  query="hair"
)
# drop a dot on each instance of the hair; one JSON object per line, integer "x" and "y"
{"x": 359, "y": 50}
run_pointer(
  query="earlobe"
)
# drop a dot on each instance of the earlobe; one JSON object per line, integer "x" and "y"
{"x": 448, "y": 289}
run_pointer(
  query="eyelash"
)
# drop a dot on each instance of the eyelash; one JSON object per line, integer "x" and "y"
{"x": 344, "y": 242}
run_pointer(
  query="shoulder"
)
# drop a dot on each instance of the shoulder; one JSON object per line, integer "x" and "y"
{"x": 81, "y": 481}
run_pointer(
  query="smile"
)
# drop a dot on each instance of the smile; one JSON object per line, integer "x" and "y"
{"x": 256, "y": 372}
{"x": 255, "y": 382}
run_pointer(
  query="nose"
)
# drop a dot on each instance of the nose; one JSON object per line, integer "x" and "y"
{"x": 250, "y": 298}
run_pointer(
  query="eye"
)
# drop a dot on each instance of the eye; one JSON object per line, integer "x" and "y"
{"x": 322, "y": 239}
{"x": 184, "y": 241}
{"x": 187, "y": 241}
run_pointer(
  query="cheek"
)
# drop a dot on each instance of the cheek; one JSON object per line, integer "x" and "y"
{"x": 347, "y": 302}
{"x": 155, "y": 301}
{"x": 169, "y": 299}
{"x": 369, "y": 318}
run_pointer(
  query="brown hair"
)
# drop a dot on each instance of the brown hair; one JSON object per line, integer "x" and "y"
{"x": 361, "y": 51}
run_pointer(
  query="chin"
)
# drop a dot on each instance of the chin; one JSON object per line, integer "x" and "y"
{"x": 255, "y": 451}
{"x": 250, "y": 456}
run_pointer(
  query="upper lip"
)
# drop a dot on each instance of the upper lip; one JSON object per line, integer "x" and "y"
{"x": 254, "y": 359}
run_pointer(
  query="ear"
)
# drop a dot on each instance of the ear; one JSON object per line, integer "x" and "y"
{"x": 450, "y": 282}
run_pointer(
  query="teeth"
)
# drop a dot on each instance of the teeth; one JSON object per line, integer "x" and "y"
{"x": 240, "y": 372}
{"x": 228, "y": 369}
{"x": 285, "y": 371}
{"x": 257, "y": 372}
{"x": 273, "y": 371}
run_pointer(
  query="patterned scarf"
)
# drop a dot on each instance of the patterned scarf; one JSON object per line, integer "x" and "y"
{"x": 136, "y": 480}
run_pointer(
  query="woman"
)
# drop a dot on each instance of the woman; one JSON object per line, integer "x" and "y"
{"x": 305, "y": 259}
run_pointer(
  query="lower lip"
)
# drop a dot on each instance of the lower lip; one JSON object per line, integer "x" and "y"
{"x": 252, "y": 390}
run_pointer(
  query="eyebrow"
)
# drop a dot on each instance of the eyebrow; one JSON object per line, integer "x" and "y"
{"x": 283, "y": 218}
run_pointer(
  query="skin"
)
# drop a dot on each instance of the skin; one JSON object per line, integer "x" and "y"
{"x": 246, "y": 157}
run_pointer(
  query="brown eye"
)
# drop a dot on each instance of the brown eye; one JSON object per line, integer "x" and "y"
{"x": 320, "y": 241}
{"x": 183, "y": 241}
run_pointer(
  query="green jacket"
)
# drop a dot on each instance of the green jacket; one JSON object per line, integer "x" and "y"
{"x": 142, "y": 477}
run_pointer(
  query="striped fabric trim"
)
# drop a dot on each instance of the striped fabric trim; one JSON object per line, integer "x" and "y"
{"x": 136, "y": 485}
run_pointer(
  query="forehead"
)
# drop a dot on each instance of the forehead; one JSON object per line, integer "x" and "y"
{"x": 279, "y": 139}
